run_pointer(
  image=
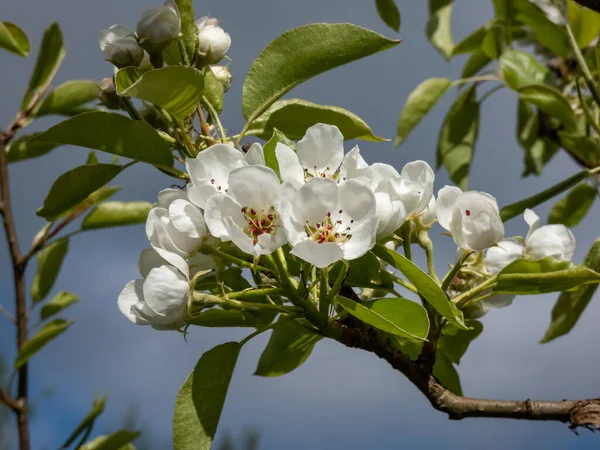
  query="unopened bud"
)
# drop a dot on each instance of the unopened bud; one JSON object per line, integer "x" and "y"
{"x": 158, "y": 26}
{"x": 108, "y": 94}
{"x": 223, "y": 75}
{"x": 120, "y": 46}
{"x": 213, "y": 42}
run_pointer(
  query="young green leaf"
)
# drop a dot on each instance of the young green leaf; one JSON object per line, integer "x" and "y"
{"x": 418, "y": 104}
{"x": 365, "y": 272}
{"x": 294, "y": 116}
{"x": 550, "y": 100}
{"x": 493, "y": 41}
{"x": 547, "y": 33}
{"x": 471, "y": 43}
{"x": 116, "y": 214}
{"x": 177, "y": 89}
{"x": 60, "y": 301}
{"x": 519, "y": 68}
{"x": 201, "y": 398}
{"x": 74, "y": 186}
{"x": 289, "y": 346}
{"x": 88, "y": 421}
{"x": 43, "y": 337}
{"x": 389, "y": 13}
{"x": 428, "y": 288}
{"x": 13, "y": 39}
{"x": 515, "y": 209}
{"x": 454, "y": 342}
{"x": 213, "y": 92}
{"x": 439, "y": 26}
{"x": 49, "y": 261}
{"x": 446, "y": 373}
{"x": 570, "y": 209}
{"x": 397, "y": 316}
{"x": 584, "y": 22}
{"x": 538, "y": 150}
{"x": 269, "y": 149}
{"x": 220, "y": 318}
{"x": 24, "y": 147}
{"x": 458, "y": 136}
{"x": 112, "y": 133}
{"x": 545, "y": 275}
{"x": 302, "y": 53}
{"x": 52, "y": 51}
{"x": 477, "y": 61}
{"x": 119, "y": 440}
{"x": 570, "y": 305}
{"x": 68, "y": 98}
{"x": 189, "y": 31}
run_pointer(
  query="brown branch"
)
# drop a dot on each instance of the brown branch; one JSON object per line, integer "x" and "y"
{"x": 594, "y": 5}
{"x": 19, "y": 281}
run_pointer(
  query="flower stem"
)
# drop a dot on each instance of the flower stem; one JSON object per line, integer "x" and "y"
{"x": 427, "y": 245}
{"x": 462, "y": 299}
{"x": 404, "y": 284}
{"x": 454, "y": 271}
{"x": 324, "y": 299}
{"x": 210, "y": 250}
{"x": 255, "y": 293}
{"x": 211, "y": 300}
{"x": 215, "y": 116}
{"x": 405, "y": 232}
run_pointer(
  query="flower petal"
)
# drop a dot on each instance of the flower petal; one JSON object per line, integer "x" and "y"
{"x": 131, "y": 295}
{"x": 321, "y": 148}
{"x": 446, "y": 203}
{"x": 168, "y": 196}
{"x": 166, "y": 291}
{"x": 354, "y": 166}
{"x": 551, "y": 240}
{"x": 290, "y": 168}
{"x": 362, "y": 240}
{"x": 315, "y": 199}
{"x": 255, "y": 155}
{"x": 532, "y": 219}
{"x": 148, "y": 260}
{"x": 255, "y": 187}
{"x": 187, "y": 218}
{"x": 500, "y": 256}
{"x": 499, "y": 300}
{"x": 320, "y": 255}
{"x": 200, "y": 194}
{"x": 237, "y": 235}
{"x": 356, "y": 201}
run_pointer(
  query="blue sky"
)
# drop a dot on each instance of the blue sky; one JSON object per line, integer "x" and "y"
{"x": 339, "y": 398}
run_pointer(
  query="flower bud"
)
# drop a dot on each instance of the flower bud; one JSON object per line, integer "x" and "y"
{"x": 213, "y": 42}
{"x": 120, "y": 46}
{"x": 223, "y": 75}
{"x": 108, "y": 94}
{"x": 158, "y": 26}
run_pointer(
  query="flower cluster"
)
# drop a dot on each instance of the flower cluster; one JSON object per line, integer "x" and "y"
{"x": 325, "y": 205}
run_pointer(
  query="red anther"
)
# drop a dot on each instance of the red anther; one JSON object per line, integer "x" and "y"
{"x": 218, "y": 188}
{"x": 252, "y": 212}
{"x": 328, "y": 214}
{"x": 329, "y": 227}
{"x": 212, "y": 181}
{"x": 318, "y": 225}
{"x": 270, "y": 216}
{"x": 468, "y": 212}
{"x": 339, "y": 222}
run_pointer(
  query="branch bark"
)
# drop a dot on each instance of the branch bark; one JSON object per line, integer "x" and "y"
{"x": 20, "y": 403}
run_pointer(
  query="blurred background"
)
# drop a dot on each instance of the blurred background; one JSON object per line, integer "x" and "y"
{"x": 339, "y": 398}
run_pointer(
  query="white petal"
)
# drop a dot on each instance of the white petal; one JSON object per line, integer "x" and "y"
{"x": 255, "y": 155}
{"x": 507, "y": 251}
{"x": 129, "y": 296}
{"x": 532, "y": 219}
{"x": 356, "y": 200}
{"x": 446, "y": 203}
{"x": 166, "y": 292}
{"x": 499, "y": 300}
{"x": 383, "y": 172}
{"x": 354, "y": 166}
{"x": 214, "y": 163}
{"x": 320, "y": 255}
{"x": 321, "y": 148}
{"x": 268, "y": 243}
{"x": 481, "y": 225}
{"x": 199, "y": 195}
{"x": 239, "y": 238}
{"x": 148, "y": 260}
{"x": 168, "y": 196}
{"x": 428, "y": 216}
{"x": 113, "y": 33}
{"x": 315, "y": 199}
{"x": 418, "y": 172}
{"x": 213, "y": 215}
{"x": 200, "y": 262}
{"x": 175, "y": 260}
{"x": 294, "y": 229}
{"x": 551, "y": 240}
{"x": 255, "y": 187}
{"x": 290, "y": 168}
{"x": 362, "y": 240}
{"x": 187, "y": 218}
{"x": 157, "y": 231}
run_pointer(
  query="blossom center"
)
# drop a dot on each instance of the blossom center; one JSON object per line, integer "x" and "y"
{"x": 309, "y": 174}
{"x": 264, "y": 221}
{"x": 329, "y": 230}
{"x": 467, "y": 212}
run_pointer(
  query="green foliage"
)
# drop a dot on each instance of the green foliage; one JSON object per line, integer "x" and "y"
{"x": 520, "y": 69}
{"x": 271, "y": 145}
{"x": 439, "y": 26}
{"x": 572, "y": 208}
{"x": 584, "y": 22}
{"x": 49, "y": 261}
{"x": 389, "y": 13}
{"x": 116, "y": 214}
{"x": 25, "y": 147}
{"x": 213, "y": 92}
{"x": 220, "y": 318}
{"x": 303, "y": 53}
{"x": 13, "y": 39}
{"x": 60, "y": 301}
{"x": 88, "y": 421}
{"x": 364, "y": 272}
{"x": 120, "y": 440}
{"x": 39, "y": 340}
{"x": 200, "y": 400}
{"x": 68, "y": 98}
{"x": 549, "y": 100}
{"x": 189, "y": 31}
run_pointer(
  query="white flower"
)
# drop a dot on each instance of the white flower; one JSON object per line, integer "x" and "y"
{"x": 160, "y": 298}
{"x": 390, "y": 210}
{"x": 175, "y": 225}
{"x": 213, "y": 42}
{"x": 429, "y": 214}
{"x": 326, "y": 222}
{"x": 209, "y": 172}
{"x": 255, "y": 156}
{"x": 550, "y": 240}
{"x": 319, "y": 154}
{"x": 414, "y": 186}
{"x": 223, "y": 76}
{"x": 159, "y": 25}
{"x": 248, "y": 214}
{"x": 471, "y": 217}
{"x": 120, "y": 46}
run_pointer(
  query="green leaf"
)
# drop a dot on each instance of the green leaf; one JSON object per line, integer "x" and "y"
{"x": 583, "y": 147}
{"x": 397, "y": 316}
{"x": 389, "y": 13}
{"x": 418, "y": 104}
{"x": 454, "y": 342}
{"x": 427, "y": 288}
{"x": 520, "y": 68}
{"x": 43, "y": 337}
{"x": 471, "y": 43}
{"x": 547, "y": 33}
{"x": 493, "y": 41}
{"x": 213, "y": 92}
{"x": 119, "y": 440}
{"x": 67, "y": 98}
{"x": 112, "y": 133}
{"x": 458, "y": 135}
{"x": 49, "y": 261}
{"x": 550, "y": 100}
{"x": 477, "y": 61}
{"x": 545, "y": 275}
{"x": 218, "y": 318}
{"x": 439, "y": 26}
{"x": 289, "y": 346}
{"x": 189, "y": 31}
{"x": 294, "y": 116}
{"x": 13, "y": 39}
{"x": 116, "y": 214}
{"x": 200, "y": 400}
{"x": 515, "y": 209}
{"x": 52, "y": 51}
{"x": 74, "y": 186}
{"x": 88, "y": 421}
{"x": 446, "y": 373}
{"x": 538, "y": 150}
{"x": 60, "y": 301}
{"x": 584, "y": 22}
{"x": 177, "y": 89}
{"x": 365, "y": 272}
{"x": 269, "y": 150}
{"x": 570, "y": 209}
{"x": 23, "y": 148}
{"x": 570, "y": 305}
{"x": 302, "y": 53}
{"x": 92, "y": 158}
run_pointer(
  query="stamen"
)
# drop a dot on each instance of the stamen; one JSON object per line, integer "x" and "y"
{"x": 467, "y": 212}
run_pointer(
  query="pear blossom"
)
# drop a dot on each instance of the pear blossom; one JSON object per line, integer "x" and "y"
{"x": 213, "y": 41}
{"x": 319, "y": 154}
{"x": 390, "y": 210}
{"x": 120, "y": 46}
{"x": 175, "y": 225}
{"x": 223, "y": 76}
{"x": 429, "y": 213}
{"x": 550, "y": 240}
{"x": 414, "y": 186}
{"x": 326, "y": 222}
{"x": 160, "y": 25}
{"x": 472, "y": 217}
{"x": 248, "y": 213}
